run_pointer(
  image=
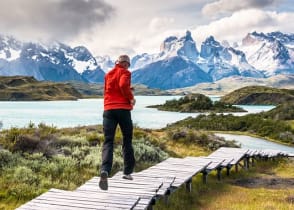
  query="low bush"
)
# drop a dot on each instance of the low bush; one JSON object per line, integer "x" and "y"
{"x": 6, "y": 159}
{"x": 203, "y": 139}
{"x": 148, "y": 153}
{"x": 253, "y": 123}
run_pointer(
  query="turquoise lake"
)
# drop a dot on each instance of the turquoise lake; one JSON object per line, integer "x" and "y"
{"x": 89, "y": 112}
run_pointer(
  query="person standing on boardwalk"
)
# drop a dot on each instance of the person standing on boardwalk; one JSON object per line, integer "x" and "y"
{"x": 118, "y": 103}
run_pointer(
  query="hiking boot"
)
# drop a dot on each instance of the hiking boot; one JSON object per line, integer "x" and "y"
{"x": 103, "y": 184}
{"x": 127, "y": 176}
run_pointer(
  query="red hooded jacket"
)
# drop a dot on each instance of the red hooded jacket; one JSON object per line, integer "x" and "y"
{"x": 117, "y": 89}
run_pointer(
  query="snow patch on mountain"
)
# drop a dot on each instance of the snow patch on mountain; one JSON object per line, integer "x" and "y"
{"x": 184, "y": 47}
{"x": 105, "y": 62}
{"x": 270, "y": 52}
{"x": 55, "y": 62}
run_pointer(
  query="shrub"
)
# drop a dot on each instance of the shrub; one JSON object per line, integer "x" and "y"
{"x": 25, "y": 175}
{"x": 70, "y": 141}
{"x": 46, "y": 130}
{"x": 146, "y": 152}
{"x": 25, "y": 143}
{"x": 92, "y": 159}
{"x": 79, "y": 153}
{"x": 6, "y": 159}
{"x": 94, "y": 138}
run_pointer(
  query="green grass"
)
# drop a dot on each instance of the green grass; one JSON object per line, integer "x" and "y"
{"x": 291, "y": 123}
{"x": 38, "y": 158}
{"x": 25, "y": 174}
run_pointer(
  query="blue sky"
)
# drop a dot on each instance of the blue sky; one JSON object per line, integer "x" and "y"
{"x": 113, "y": 27}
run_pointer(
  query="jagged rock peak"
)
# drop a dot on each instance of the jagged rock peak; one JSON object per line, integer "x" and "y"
{"x": 184, "y": 46}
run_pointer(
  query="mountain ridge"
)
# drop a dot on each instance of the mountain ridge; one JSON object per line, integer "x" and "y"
{"x": 218, "y": 60}
{"x": 178, "y": 64}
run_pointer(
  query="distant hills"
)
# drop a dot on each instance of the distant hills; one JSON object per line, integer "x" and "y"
{"x": 19, "y": 88}
{"x": 178, "y": 64}
{"x": 259, "y": 95}
{"x": 226, "y": 85}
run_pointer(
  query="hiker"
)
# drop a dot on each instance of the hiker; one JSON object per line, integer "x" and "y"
{"x": 118, "y": 103}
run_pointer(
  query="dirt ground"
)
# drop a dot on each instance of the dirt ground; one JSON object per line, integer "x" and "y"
{"x": 270, "y": 181}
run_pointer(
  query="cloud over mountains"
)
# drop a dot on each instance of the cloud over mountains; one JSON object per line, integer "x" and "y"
{"x": 54, "y": 19}
{"x": 221, "y": 6}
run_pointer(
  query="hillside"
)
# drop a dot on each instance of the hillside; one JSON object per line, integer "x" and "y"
{"x": 96, "y": 90}
{"x": 281, "y": 112}
{"x": 20, "y": 88}
{"x": 259, "y": 95}
{"x": 227, "y": 85}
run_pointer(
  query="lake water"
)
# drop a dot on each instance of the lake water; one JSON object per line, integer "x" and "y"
{"x": 249, "y": 142}
{"x": 89, "y": 112}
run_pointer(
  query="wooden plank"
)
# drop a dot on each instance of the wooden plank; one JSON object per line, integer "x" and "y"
{"x": 185, "y": 161}
{"x": 141, "y": 193}
{"x": 69, "y": 200}
{"x": 165, "y": 180}
{"x": 142, "y": 201}
{"x": 118, "y": 179}
{"x": 155, "y": 180}
{"x": 225, "y": 162}
{"x": 40, "y": 206}
{"x": 177, "y": 169}
{"x": 63, "y": 201}
{"x": 214, "y": 162}
{"x": 65, "y": 204}
{"x": 106, "y": 198}
{"x": 45, "y": 206}
{"x": 236, "y": 157}
{"x": 150, "y": 188}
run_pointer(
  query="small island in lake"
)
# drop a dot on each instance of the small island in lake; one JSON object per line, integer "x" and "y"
{"x": 196, "y": 103}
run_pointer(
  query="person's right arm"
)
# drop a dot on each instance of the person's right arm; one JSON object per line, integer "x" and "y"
{"x": 125, "y": 86}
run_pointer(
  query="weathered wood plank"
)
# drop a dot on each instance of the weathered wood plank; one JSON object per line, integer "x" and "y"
{"x": 147, "y": 185}
{"x": 118, "y": 179}
{"x": 71, "y": 200}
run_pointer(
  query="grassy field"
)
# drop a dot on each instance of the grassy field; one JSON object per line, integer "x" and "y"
{"x": 24, "y": 176}
{"x": 291, "y": 123}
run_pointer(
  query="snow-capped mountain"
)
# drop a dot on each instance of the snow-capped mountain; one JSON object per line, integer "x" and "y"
{"x": 105, "y": 62}
{"x": 177, "y": 64}
{"x": 184, "y": 47}
{"x": 57, "y": 62}
{"x": 170, "y": 73}
{"x": 214, "y": 62}
{"x": 173, "y": 67}
{"x": 272, "y": 53}
{"x": 224, "y": 61}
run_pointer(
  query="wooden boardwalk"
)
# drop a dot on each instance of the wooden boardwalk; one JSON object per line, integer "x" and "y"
{"x": 150, "y": 184}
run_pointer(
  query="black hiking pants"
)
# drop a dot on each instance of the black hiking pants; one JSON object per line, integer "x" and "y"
{"x": 112, "y": 118}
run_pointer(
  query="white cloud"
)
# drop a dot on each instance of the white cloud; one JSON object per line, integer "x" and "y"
{"x": 116, "y": 26}
{"x": 235, "y": 27}
{"x": 159, "y": 23}
{"x": 222, "y": 6}
{"x": 52, "y": 19}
